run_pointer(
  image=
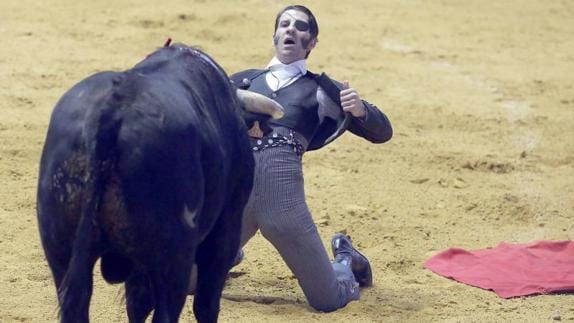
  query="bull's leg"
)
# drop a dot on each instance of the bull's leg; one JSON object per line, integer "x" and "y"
{"x": 55, "y": 235}
{"x": 170, "y": 286}
{"x": 214, "y": 259}
{"x": 58, "y": 256}
{"x": 57, "y": 242}
{"x": 139, "y": 297}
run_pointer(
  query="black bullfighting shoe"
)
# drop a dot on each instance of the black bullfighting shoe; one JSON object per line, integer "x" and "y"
{"x": 344, "y": 252}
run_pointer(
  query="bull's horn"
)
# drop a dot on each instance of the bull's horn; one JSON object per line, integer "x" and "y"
{"x": 257, "y": 103}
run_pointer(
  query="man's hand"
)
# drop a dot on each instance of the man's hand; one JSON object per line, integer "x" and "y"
{"x": 351, "y": 101}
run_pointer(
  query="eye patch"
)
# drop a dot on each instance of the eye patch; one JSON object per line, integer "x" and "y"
{"x": 301, "y": 25}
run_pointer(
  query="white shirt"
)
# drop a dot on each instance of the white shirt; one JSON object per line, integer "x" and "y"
{"x": 280, "y": 75}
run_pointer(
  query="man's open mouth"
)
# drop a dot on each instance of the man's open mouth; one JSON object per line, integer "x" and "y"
{"x": 289, "y": 41}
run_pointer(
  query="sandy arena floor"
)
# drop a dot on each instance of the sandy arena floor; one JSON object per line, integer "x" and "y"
{"x": 480, "y": 93}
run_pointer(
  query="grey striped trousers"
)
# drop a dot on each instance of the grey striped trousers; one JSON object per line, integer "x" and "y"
{"x": 277, "y": 207}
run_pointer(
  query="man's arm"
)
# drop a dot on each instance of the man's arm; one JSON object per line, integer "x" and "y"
{"x": 374, "y": 126}
{"x": 367, "y": 120}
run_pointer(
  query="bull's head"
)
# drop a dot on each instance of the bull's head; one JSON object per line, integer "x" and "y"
{"x": 257, "y": 106}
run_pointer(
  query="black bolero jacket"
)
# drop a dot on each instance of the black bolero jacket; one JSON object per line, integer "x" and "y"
{"x": 333, "y": 121}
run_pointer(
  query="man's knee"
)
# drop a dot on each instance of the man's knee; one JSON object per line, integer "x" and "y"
{"x": 347, "y": 291}
{"x": 325, "y": 305}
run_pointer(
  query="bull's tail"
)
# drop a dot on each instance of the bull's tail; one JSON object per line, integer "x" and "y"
{"x": 100, "y": 137}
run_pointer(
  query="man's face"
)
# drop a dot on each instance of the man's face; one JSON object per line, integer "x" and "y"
{"x": 292, "y": 38}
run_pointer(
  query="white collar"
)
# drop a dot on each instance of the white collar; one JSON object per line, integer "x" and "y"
{"x": 297, "y": 67}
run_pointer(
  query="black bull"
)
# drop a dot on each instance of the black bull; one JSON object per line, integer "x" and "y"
{"x": 150, "y": 170}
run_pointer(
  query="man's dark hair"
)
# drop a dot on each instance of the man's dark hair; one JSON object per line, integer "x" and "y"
{"x": 313, "y": 26}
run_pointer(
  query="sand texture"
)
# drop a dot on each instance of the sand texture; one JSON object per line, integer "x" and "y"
{"x": 480, "y": 94}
